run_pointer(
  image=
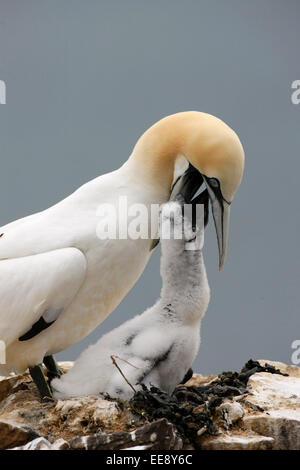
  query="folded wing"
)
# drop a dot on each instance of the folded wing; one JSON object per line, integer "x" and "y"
{"x": 36, "y": 289}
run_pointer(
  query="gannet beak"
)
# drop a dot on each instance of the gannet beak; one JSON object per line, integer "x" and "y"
{"x": 189, "y": 187}
{"x": 221, "y": 215}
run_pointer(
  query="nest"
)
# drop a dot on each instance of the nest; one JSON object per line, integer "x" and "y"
{"x": 192, "y": 409}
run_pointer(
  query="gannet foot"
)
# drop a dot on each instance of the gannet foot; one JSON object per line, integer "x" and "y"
{"x": 37, "y": 375}
{"x": 53, "y": 369}
{"x": 187, "y": 377}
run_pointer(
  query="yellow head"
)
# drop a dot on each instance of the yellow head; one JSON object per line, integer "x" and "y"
{"x": 216, "y": 151}
{"x": 210, "y": 146}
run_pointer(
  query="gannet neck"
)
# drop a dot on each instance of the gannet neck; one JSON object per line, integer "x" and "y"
{"x": 205, "y": 141}
{"x": 185, "y": 290}
{"x": 185, "y": 287}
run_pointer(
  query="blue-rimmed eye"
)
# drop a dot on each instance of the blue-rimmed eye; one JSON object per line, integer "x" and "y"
{"x": 214, "y": 183}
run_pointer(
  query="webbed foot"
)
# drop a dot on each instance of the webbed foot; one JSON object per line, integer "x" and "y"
{"x": 38, "y": 376}
{"x": 53, "y": 369}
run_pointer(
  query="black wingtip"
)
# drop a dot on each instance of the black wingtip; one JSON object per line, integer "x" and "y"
{"x": 36, "y": 328}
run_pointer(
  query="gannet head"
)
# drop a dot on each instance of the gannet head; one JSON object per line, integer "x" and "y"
{"x": 215, "y": 158}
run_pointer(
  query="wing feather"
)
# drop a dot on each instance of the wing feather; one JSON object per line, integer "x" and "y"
{"x": 37, "y": 285}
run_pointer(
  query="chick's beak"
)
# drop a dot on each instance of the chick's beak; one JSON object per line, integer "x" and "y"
{"x": 189, "y": 186}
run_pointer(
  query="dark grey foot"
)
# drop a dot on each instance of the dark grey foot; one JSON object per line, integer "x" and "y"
{"x": 37, "y": 375}
{"x": 187, "y": 376}
{"x": 52, "y": 367}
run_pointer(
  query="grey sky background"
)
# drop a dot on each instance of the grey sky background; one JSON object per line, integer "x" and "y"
{"x": 85, "y": 79}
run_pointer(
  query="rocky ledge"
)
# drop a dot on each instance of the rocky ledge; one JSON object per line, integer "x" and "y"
{"x": 257, "y": 408}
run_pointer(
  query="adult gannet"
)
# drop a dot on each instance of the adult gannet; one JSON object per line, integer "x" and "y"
{"x": 157, "y": 347}
{"x": 58, "y": 281}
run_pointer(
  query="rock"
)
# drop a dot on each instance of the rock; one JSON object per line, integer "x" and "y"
{"x": 39, "y": 443}
{"x": 278, "y": 398}
{"x": 284, "y": 429}
{"x": 22, "y": 407}
{"x": 66, "y": 365}
{"x": 6, "y": 384}
{"x": 158, "y": 435}
{"x": 290, "y": 370}
{"x": 93, "y": 410}
{"x": 257, "y": 408}
{"x": 43, "y": 444}
{"x": 266, "y": 417}
{"x": 199, "y": 379}
{"x": 106, "y": 411}
{"x": 13, "y": 434}
{"x": 237, "y": 442}
{"x": 231, "y": 412}
{"x": 275, "y": 392}
{"x": 60, "y": 444}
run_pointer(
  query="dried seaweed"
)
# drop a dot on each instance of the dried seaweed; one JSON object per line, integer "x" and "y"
{"x": 192, "y": 409}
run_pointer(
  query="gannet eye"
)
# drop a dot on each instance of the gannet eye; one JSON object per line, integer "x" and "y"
{"x": 214, "y": 182}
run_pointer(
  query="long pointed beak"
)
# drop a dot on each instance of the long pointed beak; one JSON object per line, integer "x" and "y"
{"x": 189, "y": 187}
{"x": 221, "y": 215}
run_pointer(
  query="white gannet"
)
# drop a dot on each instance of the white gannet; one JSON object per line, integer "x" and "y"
{"x": 59, "y": 281}
{"x": 160, "y": 344}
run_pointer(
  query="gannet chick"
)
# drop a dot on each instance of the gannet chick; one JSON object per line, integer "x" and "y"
{"x": 160, "y": 344}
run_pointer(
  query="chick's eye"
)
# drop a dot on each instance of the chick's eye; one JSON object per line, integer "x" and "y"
{"x": 214, "y": 182}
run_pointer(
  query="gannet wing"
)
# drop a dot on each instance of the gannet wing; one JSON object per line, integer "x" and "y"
{"x": 37, "y": 233}
{"x": 36, "y": 289}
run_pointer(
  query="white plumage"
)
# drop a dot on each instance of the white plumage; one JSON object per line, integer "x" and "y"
{"x": 55, "y": 271}
{"x": 163, "y": 341}
{"x": 54, "y": 261}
